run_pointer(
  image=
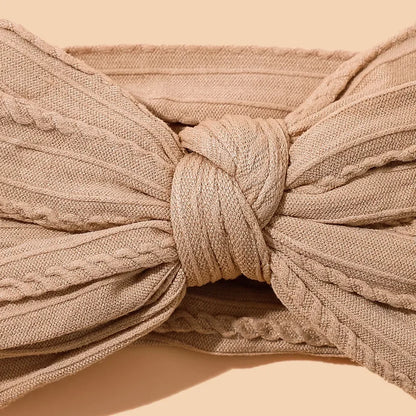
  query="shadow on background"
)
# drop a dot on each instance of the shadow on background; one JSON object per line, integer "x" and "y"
{"x": 133, "y": 377}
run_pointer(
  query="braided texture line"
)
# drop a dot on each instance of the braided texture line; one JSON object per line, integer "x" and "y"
{"x": 330, "y": 275}
{"x": 86, "y": 270}
{"x": 51, "y": 218}
{"x": 352, "y": 171}
{"x": 248, "y": 328}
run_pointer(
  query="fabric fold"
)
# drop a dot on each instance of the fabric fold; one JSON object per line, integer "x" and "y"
{"x": 117, "y": 214}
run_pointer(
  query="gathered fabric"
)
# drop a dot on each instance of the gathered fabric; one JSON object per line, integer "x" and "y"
{"x": 232, "y": 200}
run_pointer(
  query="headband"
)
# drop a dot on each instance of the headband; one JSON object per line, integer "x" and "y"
{"x": 232, "y": 200}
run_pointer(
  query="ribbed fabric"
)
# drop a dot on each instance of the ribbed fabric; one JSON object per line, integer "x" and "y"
{"x": 233, "y": 200}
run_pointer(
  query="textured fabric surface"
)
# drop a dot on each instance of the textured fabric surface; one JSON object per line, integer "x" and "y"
{"x": 233, "y": 200}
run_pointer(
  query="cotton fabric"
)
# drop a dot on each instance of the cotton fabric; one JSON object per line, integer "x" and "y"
{"x": 233, "y": 200}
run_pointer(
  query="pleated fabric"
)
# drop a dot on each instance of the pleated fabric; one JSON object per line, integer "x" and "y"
{"x": 233, "y": 200}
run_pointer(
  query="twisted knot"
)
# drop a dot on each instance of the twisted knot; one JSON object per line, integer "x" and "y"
{"x": 224, "y": 192}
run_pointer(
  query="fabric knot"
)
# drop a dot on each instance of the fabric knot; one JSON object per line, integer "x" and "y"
{"x": 224, "y": 192}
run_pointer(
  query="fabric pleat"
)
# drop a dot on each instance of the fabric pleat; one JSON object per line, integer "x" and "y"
{"x": 232, "y": 200}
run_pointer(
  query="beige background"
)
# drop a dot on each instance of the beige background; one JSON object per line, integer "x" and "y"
{"x": 159, "y": 381}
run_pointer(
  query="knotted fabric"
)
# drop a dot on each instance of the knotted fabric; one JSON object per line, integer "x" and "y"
{"x": 225, "y": 199}
{"x": 224, "y": 193}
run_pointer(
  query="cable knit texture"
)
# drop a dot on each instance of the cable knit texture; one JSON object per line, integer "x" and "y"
{"x": 234, "y": 200}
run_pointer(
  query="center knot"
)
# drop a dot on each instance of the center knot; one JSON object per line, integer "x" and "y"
{"x": 224, "y": 192}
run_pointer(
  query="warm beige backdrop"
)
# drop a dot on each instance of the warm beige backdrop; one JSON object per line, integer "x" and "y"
{"x": 168, "y": 381}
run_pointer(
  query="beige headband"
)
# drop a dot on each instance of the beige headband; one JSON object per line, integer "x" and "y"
{"x": 233, "y": 200}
